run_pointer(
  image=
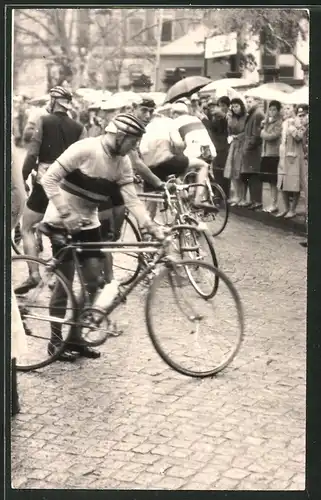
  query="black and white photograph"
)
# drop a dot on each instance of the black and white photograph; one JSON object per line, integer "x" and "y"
{"x": 159, "y": 220}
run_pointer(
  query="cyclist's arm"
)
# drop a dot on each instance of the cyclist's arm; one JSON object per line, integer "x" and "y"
{"x": 135, "y": 206}
{"x": 31, "y": 159}
{"x": 128, "y": 191}
{"x": 144, "y": 171}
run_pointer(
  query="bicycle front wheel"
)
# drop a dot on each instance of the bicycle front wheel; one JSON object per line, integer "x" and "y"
{"x": 41, "y": 321}
{"x": 195, "y": 337}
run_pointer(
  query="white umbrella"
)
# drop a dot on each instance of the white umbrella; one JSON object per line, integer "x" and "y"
{"x": 280, "y": 86}
{"x": 40, "y": 101}
{"x": 128, "y": 97}
{"x": 265, "y": 93}
{"x": 226, "y": 91}
{"x": 84, "y": 91}
{"x": 226, "y": 83}
{"x": 96, "y": 95}
{"x": 116, "y": 101}
{"x": 300, "y": 96}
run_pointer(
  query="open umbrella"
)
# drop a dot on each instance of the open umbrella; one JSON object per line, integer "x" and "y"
{"x": 279, "y": 86}
{"x": 186, "y": 87}
{"x": 128, "y": 97}
{"x": 234, "y": 83}
{"x": 265, "y": 93}
{"x": 40, "y": 101}
{"x": 300, "y": 96}
{"x": 224, "y": 91}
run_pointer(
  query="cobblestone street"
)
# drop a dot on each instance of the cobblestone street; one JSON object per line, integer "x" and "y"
{"x": 127, "y": 421}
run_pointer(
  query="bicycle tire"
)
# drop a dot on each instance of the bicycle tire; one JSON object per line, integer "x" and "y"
{"x": 137, "y": 235}
{"x": 151, "y": 322}
{"x": 218, "y": 188}
{"x": 213, "y": 262}
{"x": 190, "y": 178}
{"x": 164, "y": 217}
{"x": 70, "y": 295}
{"x": 15, "y": 248}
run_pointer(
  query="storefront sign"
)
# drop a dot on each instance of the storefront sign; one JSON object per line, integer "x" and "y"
{"x": 221, "y": 46}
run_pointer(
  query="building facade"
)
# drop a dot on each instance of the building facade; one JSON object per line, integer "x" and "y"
{"x": 109, "y": 47}
{"x": 114, "y": 48}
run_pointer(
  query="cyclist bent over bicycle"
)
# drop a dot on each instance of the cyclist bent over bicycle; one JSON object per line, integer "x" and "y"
{"x": 87, "y": 174}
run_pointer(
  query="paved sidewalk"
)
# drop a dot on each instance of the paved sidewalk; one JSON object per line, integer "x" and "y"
{"x": 296, "y": 225}
{"x": 127, "y": 421}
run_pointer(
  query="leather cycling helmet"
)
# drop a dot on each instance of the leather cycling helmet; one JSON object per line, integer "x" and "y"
{"x": 126, "y": 123}
{"x": 60, "y": 93}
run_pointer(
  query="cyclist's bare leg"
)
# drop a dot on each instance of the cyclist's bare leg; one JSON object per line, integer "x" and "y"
{"x": 91, "y": 272}
{"x": 118, "y": 220}
{"x": 201, "y": 168}
{"x": 29, "y": 220}
{"x": 106, "y": 229}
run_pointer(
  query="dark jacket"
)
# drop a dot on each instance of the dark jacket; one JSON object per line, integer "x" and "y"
{"x": 252, "y": 146}
{"x": 216, "y": 126}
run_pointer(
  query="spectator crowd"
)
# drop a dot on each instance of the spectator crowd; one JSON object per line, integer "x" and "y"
{"x": 257, "y": 143}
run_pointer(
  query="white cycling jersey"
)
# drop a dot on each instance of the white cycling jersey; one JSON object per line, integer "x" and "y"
{"x": 195, "y": 136}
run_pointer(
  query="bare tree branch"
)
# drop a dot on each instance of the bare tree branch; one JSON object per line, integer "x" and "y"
{"x": 37, "y": 37}
{"x": 35, "y": 20}
{"x": 285, "y": 42}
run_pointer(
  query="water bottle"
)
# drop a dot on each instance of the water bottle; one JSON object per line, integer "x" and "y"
{"x": 106, "y": 296}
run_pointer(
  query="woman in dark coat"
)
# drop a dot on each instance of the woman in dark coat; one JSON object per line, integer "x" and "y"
{"x": 232, "y": 171}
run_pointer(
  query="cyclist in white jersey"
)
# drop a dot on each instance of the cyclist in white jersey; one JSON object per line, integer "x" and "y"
{"x": 86, "y": 174}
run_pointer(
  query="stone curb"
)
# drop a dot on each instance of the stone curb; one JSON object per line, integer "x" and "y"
{"x": 296, "y": 225}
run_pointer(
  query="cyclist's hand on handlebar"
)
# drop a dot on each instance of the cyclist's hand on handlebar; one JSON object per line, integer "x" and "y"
{"x": 158, "y": 232}
{"x": 74, "y": 222}
{"x": 171, "y": 187}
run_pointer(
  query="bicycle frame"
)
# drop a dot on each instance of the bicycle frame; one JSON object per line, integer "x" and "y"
{"x": 112, "y": 247}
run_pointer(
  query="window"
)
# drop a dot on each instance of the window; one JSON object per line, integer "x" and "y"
{"x": 286, "y": 72}
{"x": 288, "y": 34}
{"x": 167, "y": 31}
{"x": 135, "y": 34}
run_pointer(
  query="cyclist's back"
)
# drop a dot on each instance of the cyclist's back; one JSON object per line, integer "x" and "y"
{"x": 194, "y": 134}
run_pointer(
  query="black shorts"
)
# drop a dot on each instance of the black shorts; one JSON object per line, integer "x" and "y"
{"x": 84, "y": 236}
{"x": 115, "y": 200}
{"x": 175, "y": 166}
{"x": 37, "y": 201}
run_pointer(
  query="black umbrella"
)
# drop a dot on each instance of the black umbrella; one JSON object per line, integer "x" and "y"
{"x": 186, "y": 87}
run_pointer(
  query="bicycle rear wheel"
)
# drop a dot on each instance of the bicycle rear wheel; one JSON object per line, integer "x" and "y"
{"x": 126, "y": 264}
{"x": 176, "y": 313}
{"x": 219, "y": 200}
{"x": 40, "y": 324}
